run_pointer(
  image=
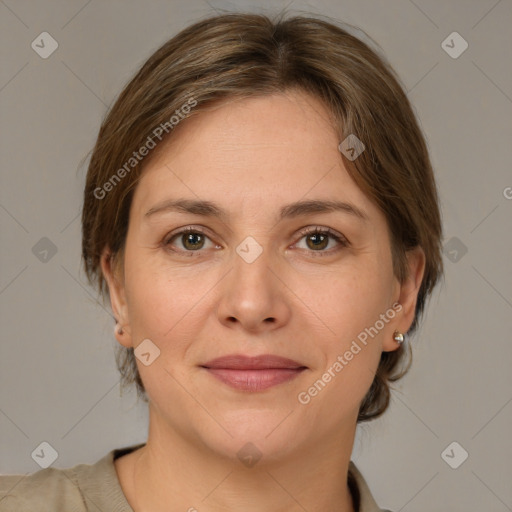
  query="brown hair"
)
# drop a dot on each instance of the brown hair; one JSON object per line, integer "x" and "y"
{"x": 244, "y": 55}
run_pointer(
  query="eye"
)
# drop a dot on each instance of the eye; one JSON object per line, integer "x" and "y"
{"x": 191, "y": 239}
{"x": 318, "y": 239}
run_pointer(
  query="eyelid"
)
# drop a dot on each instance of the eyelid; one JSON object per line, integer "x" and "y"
{"x": 184, "y": 229}
{"x": 340, "y": 239}
{"x": 323, "y": 230}
{"x": 187, "y": 229}
{"x": 309, "y": 230}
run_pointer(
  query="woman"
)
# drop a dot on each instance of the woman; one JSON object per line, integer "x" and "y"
{"x": 261, "y": 210}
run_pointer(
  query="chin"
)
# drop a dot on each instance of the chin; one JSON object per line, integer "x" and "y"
{"x": 265, "y": 435}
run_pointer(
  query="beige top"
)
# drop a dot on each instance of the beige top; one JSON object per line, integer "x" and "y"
{"x": 96, "y": 488}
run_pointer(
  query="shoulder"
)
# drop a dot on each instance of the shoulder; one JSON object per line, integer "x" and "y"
{"x": 57, "y": 488}
{"x": 77, "y": 489}
{"x": 362, "y": 496}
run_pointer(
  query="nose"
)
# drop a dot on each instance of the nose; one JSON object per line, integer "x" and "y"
{"x": 253, "y": 297}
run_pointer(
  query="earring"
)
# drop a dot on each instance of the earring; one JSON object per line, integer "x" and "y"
{"x": 398, "y": 337}
{"x": 118, "y": 329}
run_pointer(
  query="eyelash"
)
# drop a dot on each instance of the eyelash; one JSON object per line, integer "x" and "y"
{"x": 340, "y": 239}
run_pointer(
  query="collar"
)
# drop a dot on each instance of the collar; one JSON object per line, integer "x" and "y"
{"x": 101, "y": 487}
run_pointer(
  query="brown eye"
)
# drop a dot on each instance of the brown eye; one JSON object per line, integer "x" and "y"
{"x": 319, "y": 239}
{"x": 192, "y": 241}
{"x": 188, "y": 240}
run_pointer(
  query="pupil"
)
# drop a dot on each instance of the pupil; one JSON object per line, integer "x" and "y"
{"x": 192, "y": 239}
{"x": 318, "y": 239}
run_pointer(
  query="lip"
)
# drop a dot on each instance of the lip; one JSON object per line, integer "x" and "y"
{"x": 253, "y": 373}
{"x": 262, "y": 362}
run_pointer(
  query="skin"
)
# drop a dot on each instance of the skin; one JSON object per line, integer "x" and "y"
{"x": 291, "y": 301}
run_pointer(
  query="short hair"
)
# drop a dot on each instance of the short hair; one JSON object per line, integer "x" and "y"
{"x": 250, "y": 55}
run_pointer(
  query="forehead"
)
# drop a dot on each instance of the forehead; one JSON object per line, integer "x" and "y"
{"x": 281, "y": 146}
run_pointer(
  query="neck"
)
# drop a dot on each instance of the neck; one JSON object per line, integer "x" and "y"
{"x": 173, "y": 469}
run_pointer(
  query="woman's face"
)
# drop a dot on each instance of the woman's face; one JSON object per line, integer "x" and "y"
{"x": 251, "y": 281}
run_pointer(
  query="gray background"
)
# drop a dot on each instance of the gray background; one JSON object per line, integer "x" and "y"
{"x": 58, "y": 381}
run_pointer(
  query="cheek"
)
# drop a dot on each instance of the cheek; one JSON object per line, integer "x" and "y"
{"x": 166, "y": 308}
{"x": 349, "y": 306}
{"x": 151, "y": 298}
{"x": 352, "y": 299}
{"x": 157, "y": 304}
{"x": 165, "y": 304}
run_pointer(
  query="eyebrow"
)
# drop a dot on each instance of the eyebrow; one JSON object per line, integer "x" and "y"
{"x": 211, "y": 209}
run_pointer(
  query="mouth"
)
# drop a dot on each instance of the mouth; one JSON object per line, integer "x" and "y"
{"x": 253, "y": 373}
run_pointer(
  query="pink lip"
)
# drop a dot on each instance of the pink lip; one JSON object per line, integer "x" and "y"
{"x": 253, "y": 373}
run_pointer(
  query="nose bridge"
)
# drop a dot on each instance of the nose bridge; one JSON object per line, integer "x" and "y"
{"x": 252, "y": 295}
{"x": 251, "y": 274}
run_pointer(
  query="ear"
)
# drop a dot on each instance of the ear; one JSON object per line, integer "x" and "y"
{"x": 113, "y": 274}
{"x": 408, "y": 295}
